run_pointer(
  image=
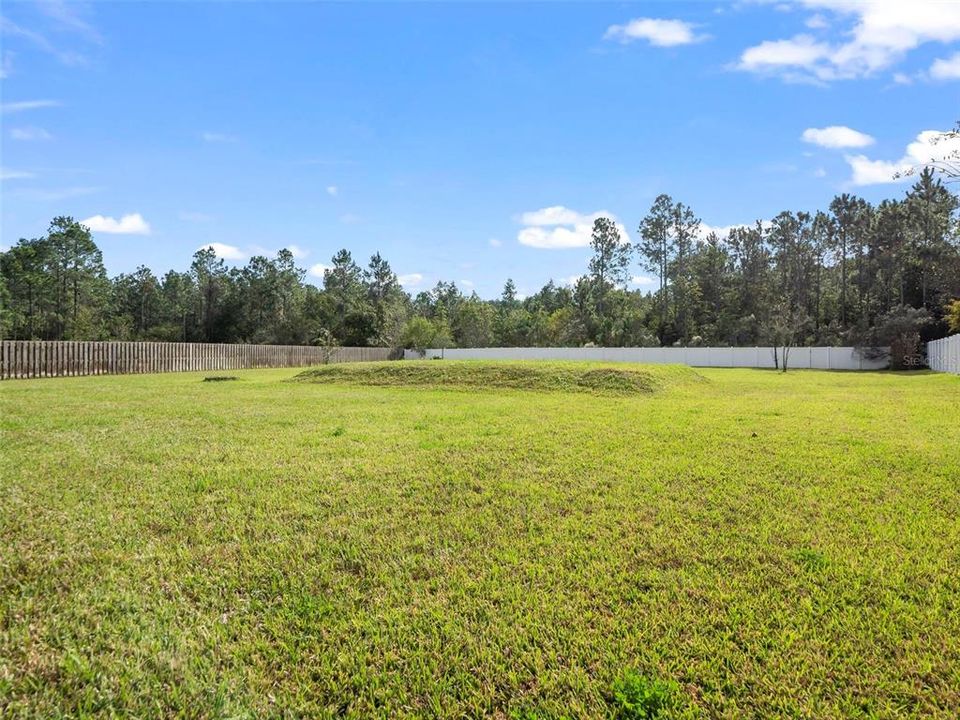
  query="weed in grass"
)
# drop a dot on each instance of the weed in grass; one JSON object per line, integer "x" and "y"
{"x": 220, "y": 378}
{"x": 812, "y": 560}
{"x": 637, "y": 697}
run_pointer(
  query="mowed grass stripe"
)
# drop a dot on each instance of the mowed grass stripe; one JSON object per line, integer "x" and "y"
{"x": 773, "y": 545}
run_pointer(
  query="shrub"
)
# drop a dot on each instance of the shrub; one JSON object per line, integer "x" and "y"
{"x": 900, "y": 330}
{"x": 953, "y": 316}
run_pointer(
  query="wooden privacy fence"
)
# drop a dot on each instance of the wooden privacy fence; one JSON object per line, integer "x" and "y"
{"x": 52, "y": 358}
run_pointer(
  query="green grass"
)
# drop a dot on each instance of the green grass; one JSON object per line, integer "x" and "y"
{"x": 755, "y": 545}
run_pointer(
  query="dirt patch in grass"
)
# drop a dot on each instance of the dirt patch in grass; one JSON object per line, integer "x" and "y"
{"x": 595, "y": 378}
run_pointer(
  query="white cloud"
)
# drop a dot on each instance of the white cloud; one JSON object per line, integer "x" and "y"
{"x": 350, "y": 219}
{"x": 216, "y": 137}
{"x": 902, "y": 79}
{"x": 553, "y": 238}
{"x": 298, "y": 252}
{"x": 873, "y": 172}
{"x": 226, "y": 252}
{"x": 410, "y": 279}
{"x": 820, "y": 172}
{"x": 656, "y": 31}
{"x": 333, "y": 190}
{"x": 570, "y": 280}
{"x": 836, "y": 136}
{"x": 641, "y": 280}
{"x": 772, "y": 56}
{"x": 946, "y": 68}
{"x": 817, "y": 22}
{"x": 554, "y": 215}
{"x": 318, "y": 270}
{"x": 467, "y": 283}
{"x": 493, "y": 242}
{"x": 878, "y": 35}
{"x": 721, "y": 231}
{"x": 560, "y": 227}
{"x": 24, "y": 105}
{"x": 9, "y": 174}
{"x": 929, "y": 147}
{"x": 132, "y": 224}
{"x": 30, "y": 133}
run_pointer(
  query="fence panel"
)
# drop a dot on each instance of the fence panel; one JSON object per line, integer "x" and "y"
{"x": 944, "y": 355}
{"x": 38, "y": 358}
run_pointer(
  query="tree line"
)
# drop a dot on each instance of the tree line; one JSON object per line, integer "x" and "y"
{"x": 853, "y": 273}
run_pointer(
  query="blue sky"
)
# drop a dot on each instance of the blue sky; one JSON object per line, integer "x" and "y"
{"x": 465, "y": 142}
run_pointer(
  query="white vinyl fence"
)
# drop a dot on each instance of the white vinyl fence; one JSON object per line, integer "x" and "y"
{"x": 944, "y": 355}
{"x": 822, "y": 358}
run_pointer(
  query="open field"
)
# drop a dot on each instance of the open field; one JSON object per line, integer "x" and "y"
{"x": 765, "y": 545}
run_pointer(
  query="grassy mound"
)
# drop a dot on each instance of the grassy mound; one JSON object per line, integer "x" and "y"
{"x": 597, "y": 378}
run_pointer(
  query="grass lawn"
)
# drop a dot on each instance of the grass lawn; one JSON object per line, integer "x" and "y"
{"x": 753, "y": 544}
